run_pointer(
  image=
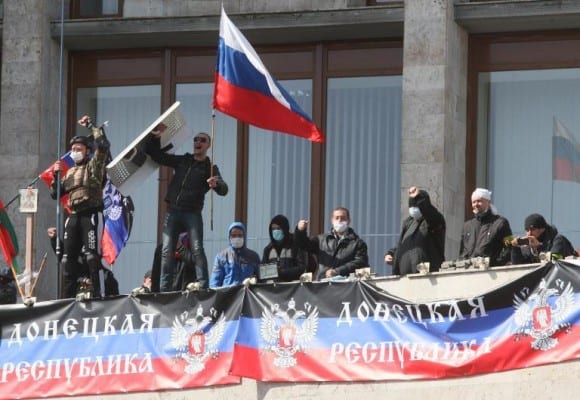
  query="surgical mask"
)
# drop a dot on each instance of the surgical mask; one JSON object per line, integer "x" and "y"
{"x": 77, "y": 156}
{"x": 278, "y": 234}
{"x": 415, "y": 212}
{"x": 340, "y": 226}
{"x": 237, "y": 242}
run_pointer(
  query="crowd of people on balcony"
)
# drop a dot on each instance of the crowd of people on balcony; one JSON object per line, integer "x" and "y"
{"x": 180, "y": 259}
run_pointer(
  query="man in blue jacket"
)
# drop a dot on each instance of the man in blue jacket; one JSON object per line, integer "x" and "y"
{"x": 236, "y": 262}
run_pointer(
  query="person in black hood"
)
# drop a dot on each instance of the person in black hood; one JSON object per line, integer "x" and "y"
{"x": 485, "y": 235}
{"x": 422, "y": 237}
{"x": 193, "y": 177}
{"x": 292, "y": 261}
{"x": 540, "y": 237}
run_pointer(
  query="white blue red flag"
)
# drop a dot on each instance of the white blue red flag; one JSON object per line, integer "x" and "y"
{"x": 565, "y": 154}
{"x": 47, "y": 175}
{"x": 244, "y": 89}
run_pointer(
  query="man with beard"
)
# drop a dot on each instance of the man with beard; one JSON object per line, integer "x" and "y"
{"x": 485, "y": 235}
{"x": 422, "y": 237}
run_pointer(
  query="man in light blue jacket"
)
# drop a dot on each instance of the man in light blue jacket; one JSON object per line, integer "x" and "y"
{"x": 236, "y": 262}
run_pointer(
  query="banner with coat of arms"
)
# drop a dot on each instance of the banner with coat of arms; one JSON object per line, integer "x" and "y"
{"x": 303, "y": 332}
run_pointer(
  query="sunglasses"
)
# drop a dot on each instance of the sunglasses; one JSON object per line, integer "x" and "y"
{"x": 200, "y": 139}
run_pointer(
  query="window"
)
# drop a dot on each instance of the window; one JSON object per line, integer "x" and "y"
{"x": 521, "y": 112}
{"x": 363, "y": 157}
{"x": 96, "y": 8}
{"x": 523, "y": 93}
{"x": 129, "y": 110}
{"x": 278, "y": 173}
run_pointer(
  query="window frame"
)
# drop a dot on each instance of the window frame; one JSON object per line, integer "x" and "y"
{"x": 504, "y": 52}
{"x": 75, "y": 9}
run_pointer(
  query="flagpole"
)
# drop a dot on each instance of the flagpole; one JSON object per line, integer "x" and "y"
{"x": 59, "y": 149}
{"x": 211, "y": 167}
{"x": 553, "y": 158}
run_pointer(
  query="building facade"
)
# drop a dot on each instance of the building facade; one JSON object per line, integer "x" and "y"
{"x": 445, "y": 95}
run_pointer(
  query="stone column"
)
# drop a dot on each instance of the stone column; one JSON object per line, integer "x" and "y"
{"x": 29, "y": 118}
{"x": 434, "y": 109}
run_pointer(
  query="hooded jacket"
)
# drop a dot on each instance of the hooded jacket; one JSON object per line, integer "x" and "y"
{"x": 231, "y": 265}
{"x": 483, "y": 236}
{"x": 292, "y": 261}
{"x": 421, "y": 240}
{"x": 550, "y": 241}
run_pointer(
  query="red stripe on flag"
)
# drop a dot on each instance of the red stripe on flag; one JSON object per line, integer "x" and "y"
{"x": 262, "y": 111}
{"x": 378, "y": 362}
{"x": 128, "y": 375}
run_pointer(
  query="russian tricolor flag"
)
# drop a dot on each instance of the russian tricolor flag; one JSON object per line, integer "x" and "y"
{"x": 47, "y": 175}
{"x": 566, "y": 154}
{"x": 244, "y": 89}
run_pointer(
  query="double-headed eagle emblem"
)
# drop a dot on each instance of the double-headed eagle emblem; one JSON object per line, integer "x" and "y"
{"x": 194, "y": 339}
{"x": 288, "y": 332}
{"x": 537, "y": 318}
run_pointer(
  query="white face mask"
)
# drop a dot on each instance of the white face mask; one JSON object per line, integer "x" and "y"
{"x": 340, "y": 226}
{"x": 77, "y": 156}
{"x": 237, "y": 242}
{"x": 415, "y": 212}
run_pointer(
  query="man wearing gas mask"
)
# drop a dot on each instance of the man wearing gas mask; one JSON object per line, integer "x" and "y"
{"x": 83, "y": 183}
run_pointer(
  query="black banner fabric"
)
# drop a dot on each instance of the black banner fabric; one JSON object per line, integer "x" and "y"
{"x": 308, "y": 332}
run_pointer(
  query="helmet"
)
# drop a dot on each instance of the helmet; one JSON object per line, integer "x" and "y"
{"x": 82, "y": 140}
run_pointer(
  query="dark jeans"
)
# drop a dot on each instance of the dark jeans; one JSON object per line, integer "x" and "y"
{"x": 176, "y": 222}
{"x": 80, "y": 234}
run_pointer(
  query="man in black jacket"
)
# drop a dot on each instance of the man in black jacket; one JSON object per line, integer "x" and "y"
{"x": 540, "y": 237}
{"x": 422, "y": 237}
{"x": 485, "y": 234}
{"x": 194, "y": 176}
{"x": 340, "y": 251}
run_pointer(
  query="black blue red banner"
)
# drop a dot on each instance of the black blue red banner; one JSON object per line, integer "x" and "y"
{"x": 339, "y": 331}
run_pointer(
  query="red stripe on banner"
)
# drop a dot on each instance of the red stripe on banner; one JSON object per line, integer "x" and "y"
{"x": 370, "y": 362}
{"x": 88, "y": 379}
{"x": 262, "y": 111}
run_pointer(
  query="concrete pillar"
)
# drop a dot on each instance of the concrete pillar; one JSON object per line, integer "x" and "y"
{"x": 434, "y": 109}
{"x": 29, "y": 117}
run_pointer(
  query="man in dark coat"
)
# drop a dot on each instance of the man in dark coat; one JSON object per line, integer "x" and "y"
{"x": 422, "y": 237}
{"x": 486, "y": 233}
{"x": 340, "y": 251}
{"x": 540, "y": 237}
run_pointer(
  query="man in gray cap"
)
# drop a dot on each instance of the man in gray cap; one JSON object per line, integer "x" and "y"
{"x": 540, "y": 237}
{"x": 485, "y": 235}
